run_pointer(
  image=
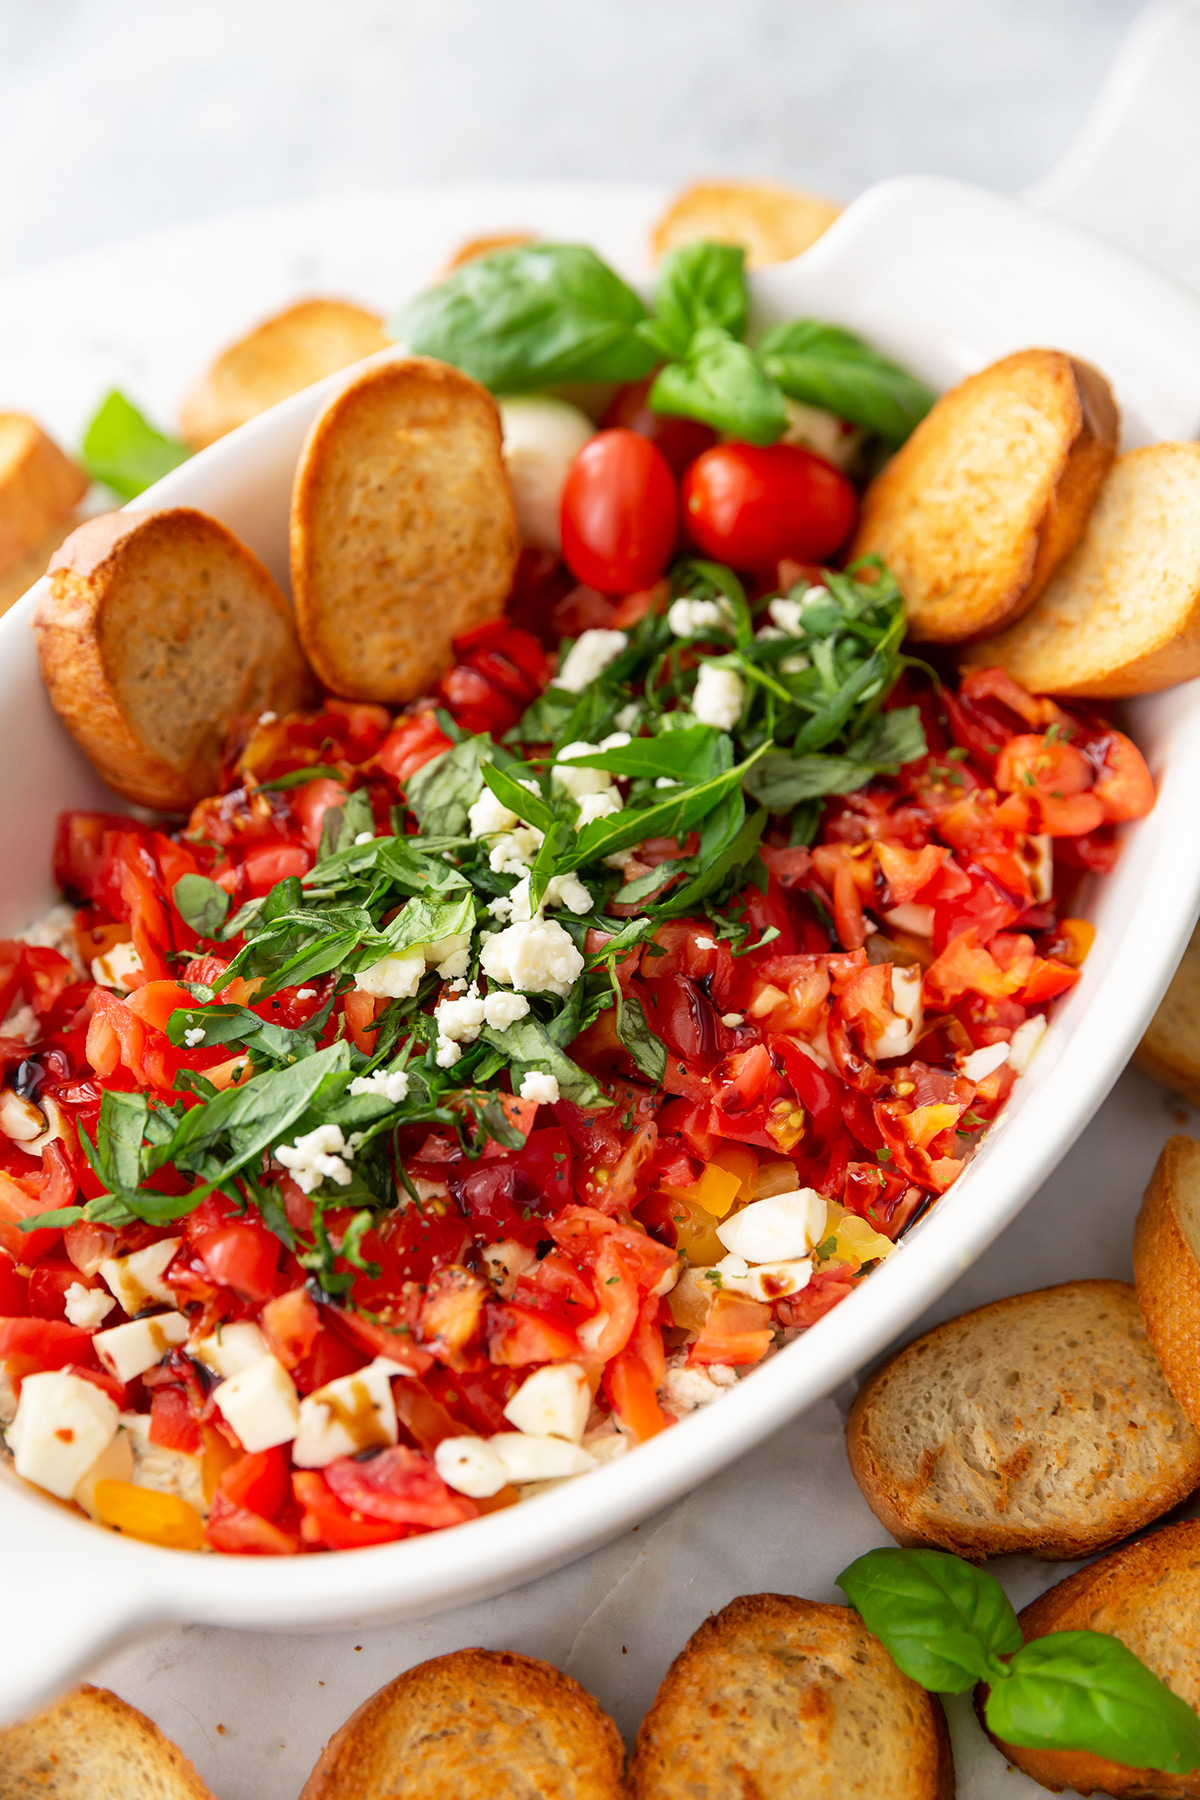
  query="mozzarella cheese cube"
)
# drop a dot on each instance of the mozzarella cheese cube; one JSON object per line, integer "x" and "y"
{"x": 779, "y": 1229}
{"x": 529, "y": 1458}
{"x": 114, "y": 1463}
{"x": 719, "y": 697}
{"x": 982, "y": 1063}
{"x": 129, "y": 1350}
{"x": 542, "y": 438}
{"x": 553, "y": 1402}
{"x": 355, "y": 1412}
{"x": 137, "y": 1280}
{"x": 62, "y": 1425}
{"x": 900, "y": 1034}
{"x": 117, "y": 968}
{"x": 231, "y": 1348}
{"x": 86, "y": 1307}
{"x": 260, "y": 1403}
{"x": 470, "y": 1466}
{"x": 588, "y": 658}
{"x": 765, "y": 1281}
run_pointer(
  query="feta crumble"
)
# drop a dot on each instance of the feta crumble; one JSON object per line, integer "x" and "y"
{"x": 588, "y": 658}
{"x": 86, "y": 1307}
{"x": 387, "y": 1084}
{"x": 540, "y": 1087}
{"x": 194, "y": 1036}
{"x": 719, "y": 697}
{"x": 692, "y": 618}
{"x": 319, "y": 1155}
{"x": 535, "y": 956}
{"x": 597, "y": 806}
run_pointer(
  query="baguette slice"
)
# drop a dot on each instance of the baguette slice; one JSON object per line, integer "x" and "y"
{"x": 471, "y": 249}
{"x": 1122, "y": 616}
{"x": 473, "y": 1726}
{"x": 160, "y": 630}
{"x": 1166, "y": 1268}
{"x": 1148, "y": 1596}
{"x": 91, "y": 1745}
{"x": 404, "y": 532}
{"x": 975, "y": 512}
{"x": 771, "y": 222}
{"x": 39, "y": 489}
{"x": 776, "y": 1698}
{"x": 1039, "y": 1425}
{"x": 1170, "y": 1050}
{"x": 287, "y": 352}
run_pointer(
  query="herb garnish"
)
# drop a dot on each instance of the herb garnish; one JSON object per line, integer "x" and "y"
{"x": 124, "y": 451}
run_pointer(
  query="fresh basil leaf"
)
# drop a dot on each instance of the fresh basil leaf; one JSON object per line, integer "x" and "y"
{"x": 201, "y": 904}
{"x": 528, "y": 1045}
{"x": 342, "y": 826}
{"x": 720, "y": 864}
{"x": 546, "y": 861}
{"x": 633, "y": 1031}
{"x": 693, "y": 755}
{"x": 530, "y": 317}
{"x": 298, "y": 777}
{"x": 417, "y": 864}
{"x": 890, "y": 740}
{"x": 56, "y": 1220}
{"x": 1084, "y": 1690}
{"x": 424, "y": 920}
{"x": 674, "y": 814}
{"x": 508, "y": 790}
{"x": 722, "y": 383}
{"x": 945, "y": 1623}
{"x": 287, "y": 896}
{"x": 124, "y": 451}
{"x": 824, "y": 365}
{"x": 631, "y": 892}
{"x": 782, "y": 781}
{"x": 440, "y": 794}
{"x": 117, "y": 1154}
{"x": 700, "y": 284}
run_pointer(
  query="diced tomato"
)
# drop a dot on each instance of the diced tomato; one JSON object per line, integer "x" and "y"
{"x": 1124, "y": 786}
{"x": 274, "y": 863}
{"x": 242, "y": 1255}
{"x": 414, "y": 742}
{"x": 291, "y": 1323}
{"x": 29, "y": 1344}
{"x": 517, "y": 1335}
{"x": 171, "y": 1423}
{"x": 737, "y": 1331}
{"x": 14, "y": 1290}
{"x": 400, "y": 1486}
{"x": 48, "y": 1284}
{"x": 327, "y": 1524}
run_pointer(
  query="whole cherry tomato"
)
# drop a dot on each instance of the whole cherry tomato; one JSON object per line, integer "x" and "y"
{"x": 619, "y": 513}
{"x": 751, "y": 505}
{"x": 680, "y": 440}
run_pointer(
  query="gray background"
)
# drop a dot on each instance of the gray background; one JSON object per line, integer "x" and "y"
{"x": 121, "y": 116}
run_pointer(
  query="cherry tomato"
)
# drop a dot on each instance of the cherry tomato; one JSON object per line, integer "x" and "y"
{"x": 680, "y": 440}
{"x": 750, "y": 506}
{"x": 619, "y": 513}
{"x": 242, "y": 1256}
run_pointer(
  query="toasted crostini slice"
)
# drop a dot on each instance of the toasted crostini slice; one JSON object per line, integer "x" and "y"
{"x": 91, "y": 1745}
{"x": 159, "y": 631}
{"x": 975, "y": 512}
{"x": 1148, "y": 1596}
{"x": 1122, "y": 615}
{"x": 771, "y": 222}
{"x": 473, "y": 248}
{"x": 1039, "y": 1425}
{"x": 472, "y": 1726}
{"x": 287, "y": 352}
{"x": 1166, "y": 1268}
{"x": 788, "y": 1699}
{"x": 1170, "y": 1050}
{"x": 39, "y": 489}
{"x": 404, "y": 532}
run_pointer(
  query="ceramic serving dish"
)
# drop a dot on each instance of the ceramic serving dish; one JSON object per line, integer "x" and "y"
{"x": 946, "y": 278}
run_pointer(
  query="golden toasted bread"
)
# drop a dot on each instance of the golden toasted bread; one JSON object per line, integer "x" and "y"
{"x": 285, "y": 353}
{"x": 90, "y": 1745}
{"x": 473, "y": 1726}
{"x": 1148, "y": 1596}
{"x": 159, "y": 631}
{"x": 1038, "y": 1425}
{"x": 785, "y": 1699}
{"x": 771, "y": 222}
{"x": 39, "y": 490}
{"x": 975, "y": 512}
{"x": 1166, "y": 1268}
{"x": 1122, "y": 615}
{"x": 1170, "y": 1050}
{"x": 484, "y": 246}
{"x": 404, "y": 532}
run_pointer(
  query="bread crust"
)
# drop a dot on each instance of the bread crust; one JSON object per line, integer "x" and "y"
{"x": 992, "y": 490}
{"x": 471, "y": 1726}
{"x": 92, "y": 1743}
{"x": 1166, "y": 1271}
{"x": 1038, "y": 1425}
{"x": 1170, "y": 1050}
{"x": 287, "y": 352}
{"x": 770, "y": 221}
{"x": 1122, "y": 615}
{"x": 40, "y": 488}
{"x": 473, "y": 248}
{"x": 109, "y": 584}
{"x": 1148, "y": 1596}
{"x": 403, "y": 529}
{"x": 778, "y": 1697}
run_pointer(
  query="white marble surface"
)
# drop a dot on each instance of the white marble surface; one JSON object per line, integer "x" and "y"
{"x": 121, "y": 116}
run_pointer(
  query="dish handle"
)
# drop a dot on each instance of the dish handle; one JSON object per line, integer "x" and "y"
{"x": 58, "y": 1610}
{"x": 1129, "y": 171}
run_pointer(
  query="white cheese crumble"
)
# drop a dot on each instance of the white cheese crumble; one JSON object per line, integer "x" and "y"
{"x": 364, "y": 837}
{"x": 398, "y": 976}
{"x": 588, "y": 658}
{"x": 319, "y": 1155}
{"x": 306, "y": 993}
{"x": 778, "y": 1229}
{"x": 766, "y": 1281}
{"x": 684, "y": 1389}
{"x": 20, "y": 1120}
{"x": 488, "y": 815}
{"x": 86, "y": 1308}
{"x": 536, "y": 957}
{"x": 732, "y": 1020}
{"x": 117, "y": 967}
{"x": 629, "y": 717}
{"x": 597, "y": 806}
{"x": 580, "y": 781}
{"x": 502, "y": 1009}
{"x": 692, "y": 618}
{"x": 513, "y": 851}
{"x": 719, "y": 697}
{"x": 355, "y": 1412}
{"x": 529, "y": 1458}
{"x": 195, "y": 1035}
{"x": 541, "y": 1087}
{"x": 389, "y": 1085}
{"x": 55, "y": 930}
{"x": 788, "y": 615}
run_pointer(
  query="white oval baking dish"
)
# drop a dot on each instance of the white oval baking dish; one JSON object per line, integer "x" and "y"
{"x": 947, "y": 278}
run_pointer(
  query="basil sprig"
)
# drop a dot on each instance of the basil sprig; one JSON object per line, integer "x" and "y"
{"x": 949, "y": 1625}
{"x": 124, "y": 451}
{"x": 539, "y": 314}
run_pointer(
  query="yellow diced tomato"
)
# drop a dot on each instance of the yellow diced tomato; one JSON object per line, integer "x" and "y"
{"x": 741, "y": 1161}
{"x": 715, "y": 1191}
{"x": 144, "y": 1513}
{"x": 924, "y": 1123}
{"x": 851, "y": 1239}
{"x": 695, "y": 1231}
